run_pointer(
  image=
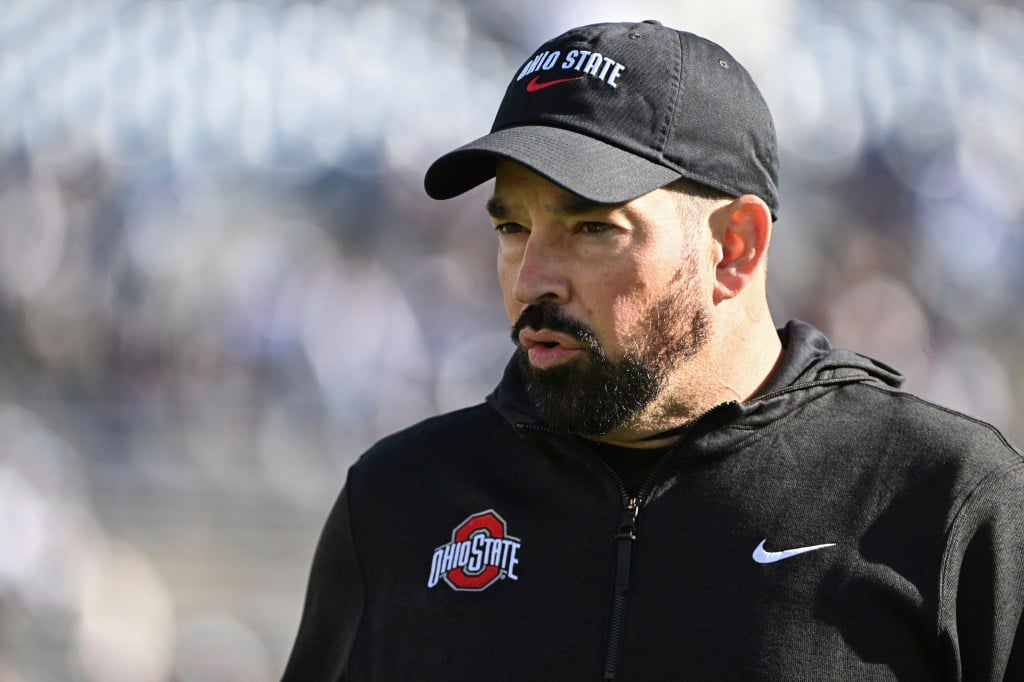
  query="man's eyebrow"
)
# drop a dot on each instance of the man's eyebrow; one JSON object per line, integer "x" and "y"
{"x": 496, "y": 208}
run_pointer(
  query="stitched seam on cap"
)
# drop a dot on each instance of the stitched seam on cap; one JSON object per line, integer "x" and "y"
{"x": 665, "y": 132}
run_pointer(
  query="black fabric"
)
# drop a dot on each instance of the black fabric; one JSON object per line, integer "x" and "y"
{"x": 614, "y": 111}
{"x": 325, "y": 638}
{"x": 632, "y": 465}
{"x": 914, "y": 516}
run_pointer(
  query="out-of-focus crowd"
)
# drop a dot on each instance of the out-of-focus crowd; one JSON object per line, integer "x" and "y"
{"x": 220, "y": 280}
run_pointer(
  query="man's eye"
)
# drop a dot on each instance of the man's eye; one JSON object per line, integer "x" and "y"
{"x": 594, "y": 228}
{"x": 508, "y": 228}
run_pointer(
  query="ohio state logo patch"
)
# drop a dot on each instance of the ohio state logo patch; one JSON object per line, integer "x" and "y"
{"x": 480, "y": 553}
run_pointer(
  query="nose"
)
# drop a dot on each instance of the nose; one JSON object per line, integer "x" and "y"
{"x": 541, "y": 275}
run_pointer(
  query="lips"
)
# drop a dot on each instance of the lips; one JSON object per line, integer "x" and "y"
{"x": 547, "y": 348}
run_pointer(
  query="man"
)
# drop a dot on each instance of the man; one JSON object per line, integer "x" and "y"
{"x": 663, "y": 486}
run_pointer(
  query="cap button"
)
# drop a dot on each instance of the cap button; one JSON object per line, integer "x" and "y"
{"x": 652, "y": 21}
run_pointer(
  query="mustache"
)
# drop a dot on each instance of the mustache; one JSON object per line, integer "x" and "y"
{"x": 548, "y": 315}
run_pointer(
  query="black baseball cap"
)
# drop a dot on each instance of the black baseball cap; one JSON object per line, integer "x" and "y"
{"x": 613, "y": 111}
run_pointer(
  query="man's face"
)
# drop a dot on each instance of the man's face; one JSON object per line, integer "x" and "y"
{"x": 606, "y": 301}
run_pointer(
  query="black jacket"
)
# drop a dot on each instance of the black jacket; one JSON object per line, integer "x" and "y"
{"x": 483, "y": 545}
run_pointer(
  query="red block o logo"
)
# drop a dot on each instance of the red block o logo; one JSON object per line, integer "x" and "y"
{"x": 480, "y": 553}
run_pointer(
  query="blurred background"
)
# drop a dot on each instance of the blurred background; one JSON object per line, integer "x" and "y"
{"x": 220, "y": 279}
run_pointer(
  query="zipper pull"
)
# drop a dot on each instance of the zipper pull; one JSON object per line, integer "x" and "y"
{"x": 624, "y": 544}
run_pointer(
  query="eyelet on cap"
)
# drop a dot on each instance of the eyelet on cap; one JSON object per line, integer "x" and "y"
{"x": 652, "y": 22}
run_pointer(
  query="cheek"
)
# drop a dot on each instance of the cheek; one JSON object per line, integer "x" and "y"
{"x": 614, "y": 305}
{"x": 506, "y": 280}
{"x": 629, "y": 306}
{"x": 513, "y": 309}
{"x": 628, "y": 312}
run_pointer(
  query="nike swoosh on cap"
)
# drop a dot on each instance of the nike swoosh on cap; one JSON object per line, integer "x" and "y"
{"x": 763, "y": 556}
{"x": 534, "y": 85}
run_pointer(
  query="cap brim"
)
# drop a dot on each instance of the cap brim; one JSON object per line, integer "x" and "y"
{"x": 581, "y": 164}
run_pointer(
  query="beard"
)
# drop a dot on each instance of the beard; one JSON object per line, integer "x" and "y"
{"x": 593, "y": 395}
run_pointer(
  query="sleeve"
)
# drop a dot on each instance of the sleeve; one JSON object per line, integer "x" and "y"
{"x": 333, "y": 607}
{"x": 983, "y": 581}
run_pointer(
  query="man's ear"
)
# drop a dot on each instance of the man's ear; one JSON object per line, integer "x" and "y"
{"x": 742, "y": 230}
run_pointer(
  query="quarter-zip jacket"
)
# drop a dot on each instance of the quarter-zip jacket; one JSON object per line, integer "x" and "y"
{"x": 834, "y": 527}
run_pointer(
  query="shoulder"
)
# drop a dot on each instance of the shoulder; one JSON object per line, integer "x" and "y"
{"x": 941, "y": 430}
{"x": 442, "y": 440}
{"x": 929, "y": 442}
{"x": 903, "y": 441}
{"x": 467, "y": 424}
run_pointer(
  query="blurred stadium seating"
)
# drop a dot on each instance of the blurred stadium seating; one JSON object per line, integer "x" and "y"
{"x": 220, "y": 279}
